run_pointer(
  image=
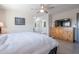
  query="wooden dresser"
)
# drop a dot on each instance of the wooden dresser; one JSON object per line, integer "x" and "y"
{"x": 63, "y": 33}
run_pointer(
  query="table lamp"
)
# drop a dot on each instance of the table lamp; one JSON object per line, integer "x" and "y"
{"x": 1, "y": 25}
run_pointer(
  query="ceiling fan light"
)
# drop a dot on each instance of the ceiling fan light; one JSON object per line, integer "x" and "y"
{"x": 42, "y": 6}
{"x": 41, "y": 10}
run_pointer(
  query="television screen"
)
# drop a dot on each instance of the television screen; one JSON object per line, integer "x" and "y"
{"x": 63, "y": 22}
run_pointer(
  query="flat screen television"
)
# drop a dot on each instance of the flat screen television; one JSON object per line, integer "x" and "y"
{"x": 63, "y": 22}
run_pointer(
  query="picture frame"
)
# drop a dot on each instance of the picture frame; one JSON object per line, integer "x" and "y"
{"x": 19, "y": 21}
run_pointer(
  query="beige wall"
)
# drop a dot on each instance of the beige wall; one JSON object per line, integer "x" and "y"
{"x": 10, "y": 21}
{"x": 2, "y": 16}
{"x": 8, "y": 18}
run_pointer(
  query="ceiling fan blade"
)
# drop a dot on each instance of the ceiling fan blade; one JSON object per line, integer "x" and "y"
{"x": 51, "y": 7}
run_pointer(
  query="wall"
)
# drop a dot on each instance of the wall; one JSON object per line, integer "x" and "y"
{"x": 67, "y": 14}
{"x": 8, "y": 18}
{"x": 2, "y": 16}
{"x": 2, "y": 19}
{"x": 10, "y": 21}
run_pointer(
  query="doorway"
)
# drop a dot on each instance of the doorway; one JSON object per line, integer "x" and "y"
{"x": 41, "y": 24}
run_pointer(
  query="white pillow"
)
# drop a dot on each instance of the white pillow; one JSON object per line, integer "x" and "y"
{"x": 3, "y": 38}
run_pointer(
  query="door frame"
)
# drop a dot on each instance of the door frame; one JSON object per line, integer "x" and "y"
{"x": 77, "y": 28}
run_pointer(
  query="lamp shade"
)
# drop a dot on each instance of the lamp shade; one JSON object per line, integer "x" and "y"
{"x": 1, "y": 24}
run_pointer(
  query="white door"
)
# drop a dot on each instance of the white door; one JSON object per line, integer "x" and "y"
{"x": 41, "y": 25}
{"x": 37, "y": 26}
{"x": 44, "y": 27}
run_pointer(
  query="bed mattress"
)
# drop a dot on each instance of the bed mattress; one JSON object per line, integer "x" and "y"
{"x": 27, "y": 43}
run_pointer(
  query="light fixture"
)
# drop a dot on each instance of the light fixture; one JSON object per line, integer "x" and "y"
{"x": 42, "y": 6}
{"x": 41, "y": 10}
{"x": 1, "y": 25}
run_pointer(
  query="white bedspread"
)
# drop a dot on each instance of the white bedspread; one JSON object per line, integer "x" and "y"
{"x": 28, "y": 43}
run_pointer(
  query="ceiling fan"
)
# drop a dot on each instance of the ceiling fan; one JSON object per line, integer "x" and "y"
{"x": 44, "y": 8}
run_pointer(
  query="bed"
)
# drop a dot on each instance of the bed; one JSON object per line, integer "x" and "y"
{"x": 27, "y": 43}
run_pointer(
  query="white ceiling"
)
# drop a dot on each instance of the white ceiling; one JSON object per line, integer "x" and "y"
{"x": 35, "y": 7}
{"x": 63, "y": 7}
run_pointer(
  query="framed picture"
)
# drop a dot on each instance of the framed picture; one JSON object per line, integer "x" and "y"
{"x": 19, "y": 21}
